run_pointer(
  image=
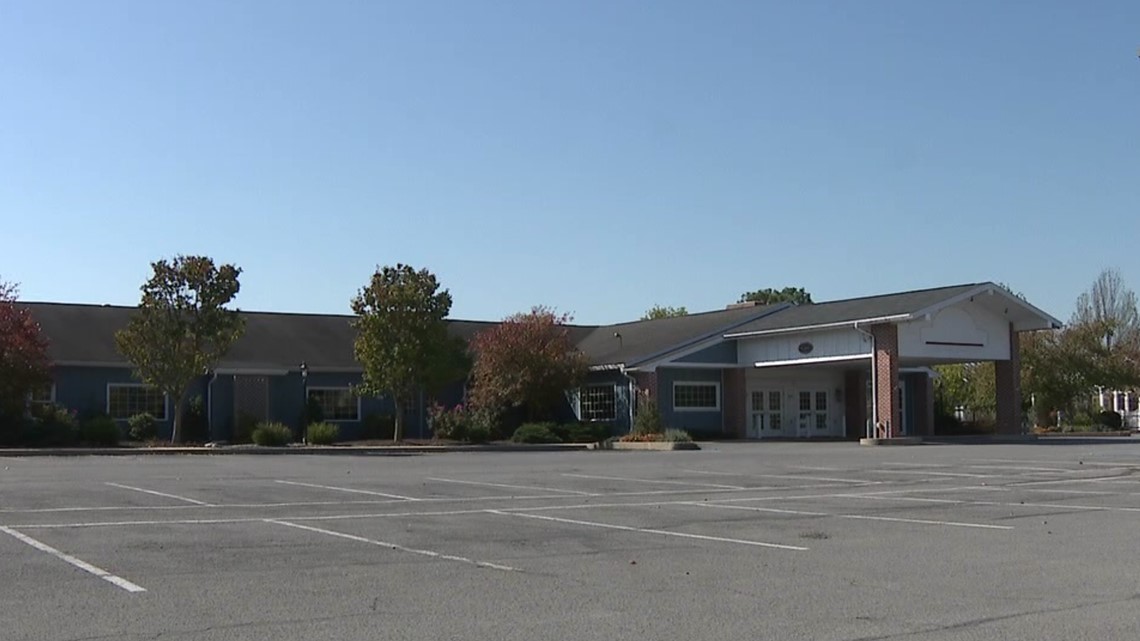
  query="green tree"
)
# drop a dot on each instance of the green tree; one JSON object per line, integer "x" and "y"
{"x": 769, "y": 296}
{"x": 661, "y": 311}
{"x": 182, "y": 327}
{"x": 526, "y": 361}
{"x": 969, "y": 385}
{"x": 402, "y": 341}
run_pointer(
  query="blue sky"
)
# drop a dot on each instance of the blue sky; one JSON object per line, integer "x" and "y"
{"x": 596, "y": 156}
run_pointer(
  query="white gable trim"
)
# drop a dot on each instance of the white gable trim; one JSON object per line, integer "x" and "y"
{"x": 990, "y": 289}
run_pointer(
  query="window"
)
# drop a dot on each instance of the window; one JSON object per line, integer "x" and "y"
{"x": 127, "y": 400}
{"x": 598, "y": 403}
{"x": 44, "y": 395}
{"x": 336, "y": 403}
{"x": 696, "y": 396}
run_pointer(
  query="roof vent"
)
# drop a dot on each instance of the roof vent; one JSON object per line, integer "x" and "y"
{"x": 748, "y": 303}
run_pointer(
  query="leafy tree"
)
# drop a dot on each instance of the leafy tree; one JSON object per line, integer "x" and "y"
{"x": 970, "y": 385}
{"x": 182, "y": 327}
{"x": 659, "y": 311}
{"x": 24, "y": 363}
{"x": 769, "y": 296}
{"x": 402, "y": 341}
{"x": 526, "y": 361}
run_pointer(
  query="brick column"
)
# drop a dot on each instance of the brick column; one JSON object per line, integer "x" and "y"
{"x": 1007, "y": 385}
{"x": 886, "y": 373}
{"x": 735, "y": 413}
{"x": 646, "y": 386}
{"x": 855, "y": 403}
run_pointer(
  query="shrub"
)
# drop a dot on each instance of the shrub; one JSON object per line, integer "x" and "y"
{"x": 141, "y": 427}
{"x": 243, "y": 428}
{"x": 378, "y": 427}
{"x": 272, "y": 434}
{"x": 648, "y": 419}
{"x": 478, "y": 433}
{"x": 586, "y": 432}
{"x": 677, "y": 436}
{"x": 101, "y": 430}
{"x": 195, "y": 424}
{"x": 1110, "y": 420}
{"x": 323, "y": 433}
{"x": 535, "y": 433}
{"x": 450, "y": 424}
{"x": 50, "y": 426}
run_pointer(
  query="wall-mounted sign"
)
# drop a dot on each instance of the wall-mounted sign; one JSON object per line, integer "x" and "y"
{"x": 806, "y": 347}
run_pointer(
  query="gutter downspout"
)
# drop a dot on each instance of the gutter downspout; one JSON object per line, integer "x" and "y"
{"x": 210, "y": 403}
{"x": 872, "y": 429}
{"x": 632, "y": 394}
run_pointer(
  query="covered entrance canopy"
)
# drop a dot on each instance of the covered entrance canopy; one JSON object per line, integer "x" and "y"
{"x": 861, "y": 366}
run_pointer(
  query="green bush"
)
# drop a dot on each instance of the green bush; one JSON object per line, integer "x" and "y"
{"x": 141, "y": 427}
{"x": 586, "y": 432}
{"x": 535, "y": 433}
{"x": 449, "y": 424}
{"x": 243, "y": 428}
{"x": 677, "y": 436}
{"x": 101, "y": 431}
{"x": 195, "y": 424}
{"x": 648, "y": 419}
{"x": 323, "y": 433}
{"x": 378, "y": 427}
{"x": 49, "y": 426}
{"x": 272, "y": 434}
{"x": 478, "y": 433}
{"x": 1110, "y": 420}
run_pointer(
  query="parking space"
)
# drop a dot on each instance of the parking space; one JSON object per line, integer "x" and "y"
{"x": 737, "y": 540}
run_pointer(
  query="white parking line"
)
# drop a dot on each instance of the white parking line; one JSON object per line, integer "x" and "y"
{"x": 862, "y": 517}
{"x": 394, "y": 546}
{"x": 1098, "y": 479}
{"x": 626, "y": 528}
{"x": 1023, "y": 468}
{"x": 926, "y": 473}
{"x": 531, "y": 488}
{"x": 349, "y": 490}
{"x": 162, "y": 494}
{"x": 1069, "y": 506}
{"x": 79, "y": 563}
{"x": 663, "y": 482}
{"x": 796, "y": 477}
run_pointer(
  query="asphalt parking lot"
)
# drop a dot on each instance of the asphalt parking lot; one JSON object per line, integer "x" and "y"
{"x": 736, "y": 541}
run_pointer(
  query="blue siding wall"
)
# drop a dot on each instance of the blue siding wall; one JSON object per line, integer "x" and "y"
{"x": 84, "y": 389}
{"x": 704, "y": 423}
{"x": 720, "y": 353}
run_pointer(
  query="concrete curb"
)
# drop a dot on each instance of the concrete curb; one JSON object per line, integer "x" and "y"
{"x": 653, "y": 446}
{"x": 394, "y": 450}
{"x": 995, "y": 439}
{"x": 897, "y": 440}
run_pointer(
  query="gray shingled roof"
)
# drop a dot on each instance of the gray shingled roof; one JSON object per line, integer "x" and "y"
{"x": 853, "y": 309}
{"x": 86, "y": 333}
{"x": 644, "y": 340}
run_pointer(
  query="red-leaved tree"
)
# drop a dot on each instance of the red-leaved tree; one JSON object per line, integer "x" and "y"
{"x": 24, "y": 364}
{"x": 527, "y": 361}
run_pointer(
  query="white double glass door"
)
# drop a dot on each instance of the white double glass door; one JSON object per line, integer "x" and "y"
{"x": 773, "y": 415}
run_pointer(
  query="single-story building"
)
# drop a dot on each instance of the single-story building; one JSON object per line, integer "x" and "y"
{"x": 835, "y": 369}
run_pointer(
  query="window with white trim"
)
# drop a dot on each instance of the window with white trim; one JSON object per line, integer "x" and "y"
{"x": 696, "y": 396}
{"x": 125, "y": 400}
{"x": 336, "y": 403}
{"x": 598, "y": 402}
{"x": 43, "y": 395}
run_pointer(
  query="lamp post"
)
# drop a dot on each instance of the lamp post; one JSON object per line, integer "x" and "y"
{"x": 304, "y": 403}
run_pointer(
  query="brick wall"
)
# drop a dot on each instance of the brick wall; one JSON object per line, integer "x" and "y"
{"x": 855, "y": 403}
{"x": 733, "y": 403}
{"x": 1007, "y": 386}
{"x": 886, "y": 373}
{"x": 646, "y": 384}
